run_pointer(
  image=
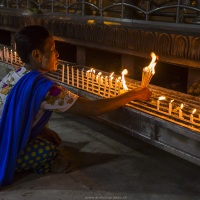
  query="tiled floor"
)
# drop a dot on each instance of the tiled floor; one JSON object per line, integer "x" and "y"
{"x": 109, "y": 165}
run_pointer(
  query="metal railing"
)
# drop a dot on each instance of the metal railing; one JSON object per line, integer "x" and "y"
{"x": 175, "y": 11}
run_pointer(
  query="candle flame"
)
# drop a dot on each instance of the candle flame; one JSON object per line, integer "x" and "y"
{"x": 152, "y": 63}
{"x": 161, "y": 98}
{"x": 124, "y": 72}
{"x": 194, "y": 111}
{"x": 111, "y": 75}
{"x": 182, "y": 106}
{"x": 151, "y": 66}
{"x": 171, "y": 100}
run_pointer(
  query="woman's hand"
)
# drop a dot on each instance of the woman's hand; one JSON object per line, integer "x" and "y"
{"x": 51, "y": 136}
{"x": 143, "y": 94}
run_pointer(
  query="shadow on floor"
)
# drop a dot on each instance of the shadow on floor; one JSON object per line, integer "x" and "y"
{"x": 78, "y": 160}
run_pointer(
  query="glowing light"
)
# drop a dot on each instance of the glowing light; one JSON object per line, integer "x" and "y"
{"x": 124, "y": 72}
{"x": 158, "y": 101}
{"x": 149, "y": 71}
{"x": 194, "y": 111}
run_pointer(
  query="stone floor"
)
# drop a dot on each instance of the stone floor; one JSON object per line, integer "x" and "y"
{"x": 109, "y": 165}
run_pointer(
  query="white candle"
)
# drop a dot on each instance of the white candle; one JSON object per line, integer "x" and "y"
{"x": 158, "y": 102}
{"x": 87, "y": 83}
{"x": 15, "y": 53}
{"x": 111, "y": 78}
{"x": 82, "y": 74}
{"x": 4, "y": 53}
{"x": 99, "y": 86}
{"x": 87, "y": 76}
{"x": 7, "y": 56}
{"x": 11, "y": 56}
{"x": 106, "y": 81}
{"x": 63, "y": 72}
{"x": 72, "y": 75}
{"x": 93, "y": 78}
{"x": 99, "y": 78}
{"x": 77, "y": 80}
{"x": 180, "y": 112}
{"x": 93, "y": 74}
{"x": 110, "y": 81}
{"x": 1, "y": 54}
{"x": 170, "y": 107}
{"x": 116, "y": 82}
{"x": 67, "y": 74}
{"x": 119, "y": 86}
{"x": 192, "y": 117}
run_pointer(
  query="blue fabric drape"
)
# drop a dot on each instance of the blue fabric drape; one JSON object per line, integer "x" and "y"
{"x": 20, "y": 110}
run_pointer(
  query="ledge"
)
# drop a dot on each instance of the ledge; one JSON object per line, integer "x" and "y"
{"x": 174, "y": 43}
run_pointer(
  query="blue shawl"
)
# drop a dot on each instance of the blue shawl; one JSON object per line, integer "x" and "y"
{"x": 21, "y": 107}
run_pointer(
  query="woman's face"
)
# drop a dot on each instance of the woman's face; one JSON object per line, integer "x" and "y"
{"x": 49, "y": 55}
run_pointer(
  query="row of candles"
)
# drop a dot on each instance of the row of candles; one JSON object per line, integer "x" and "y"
{"x": 180, "y": 109}
{"x": 108, "y": 85}
{"x": 8, "y": 55}
{"x": 111, "y": 85}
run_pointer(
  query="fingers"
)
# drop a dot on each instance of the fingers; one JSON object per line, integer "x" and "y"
{"x": 145, "y": 94}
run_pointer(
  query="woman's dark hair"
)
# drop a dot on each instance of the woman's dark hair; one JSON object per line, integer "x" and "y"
{"x": 29, "y": 38}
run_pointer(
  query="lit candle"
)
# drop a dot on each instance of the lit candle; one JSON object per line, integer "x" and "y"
{"x": 11, "y": 56}
{"x": 93, "y": 78}
{"x": 87, "y": 76}
{"x": 4, "y": 53}
{"x": 180, "y": 112}
{"x": 63, "y": 72}
{"x": 106, "y": 81}
{"x": 124, "y": 72}
{"x": 100, "y": 78}
{"x": 15, "y": 53}
{"x": 110, "y": 85}
{"x": 111, "y": 78}
{"x": 82, "y": 74}
{"x": 7, "y": 56}
{"x": 97, "y": 78}
{"x": 77, "y": 80}
{"x": 109, "y": 89}
{"x": 99, "y": 85}
{"x": 1, "y": 54}
{"x": 158, "y": 102}
{"x": 72, "y": 75}
{"x": 170, "y": 107}
{"x": 67, "y": 74}
{"x": 119, "y": 85}
{"x": 93, "y": 74}
{"x": 191, "y": 116}
{"x": 116, "y": 83}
